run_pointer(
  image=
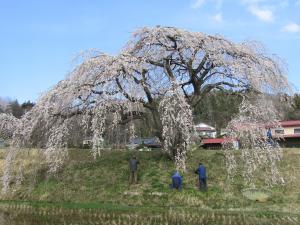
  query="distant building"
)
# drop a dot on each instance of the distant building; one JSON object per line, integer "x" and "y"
{"x": 87, "y": 143}
{"x": 216, "y": 143}
{"x": 223, "y": 132}
{"x": 150, "y": 142}
{"x": 212, "y": 143}
{"x": 205, "y": 131}
{"x": 289, "y": 128}
{"x": 287, "y": 135}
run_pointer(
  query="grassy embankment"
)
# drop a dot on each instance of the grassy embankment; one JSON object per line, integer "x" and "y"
{"x": 103, "y": 183}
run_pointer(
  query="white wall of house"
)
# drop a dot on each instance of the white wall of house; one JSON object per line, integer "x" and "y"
{"x": 286, "y": 131}
{"x": 210, "y": 134}
{"x": 204, "y": 130}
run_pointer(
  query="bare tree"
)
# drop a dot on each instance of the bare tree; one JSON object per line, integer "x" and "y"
{"x": 3, "y": 105}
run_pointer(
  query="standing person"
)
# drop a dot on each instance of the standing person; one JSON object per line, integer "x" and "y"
{"x": 177, "y": 181}
{"x": 133, "y": 164}
{"x": 270, "y": 137}
{"x": 201, "y": 171}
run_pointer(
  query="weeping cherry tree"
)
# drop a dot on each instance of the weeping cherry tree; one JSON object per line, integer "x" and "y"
{"x": 161, "y": 74}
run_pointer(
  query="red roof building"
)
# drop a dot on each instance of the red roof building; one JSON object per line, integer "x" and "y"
{"x": 288, "y": 135}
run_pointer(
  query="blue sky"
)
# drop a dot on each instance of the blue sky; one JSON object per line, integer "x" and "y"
{"x": 40, "y": 38}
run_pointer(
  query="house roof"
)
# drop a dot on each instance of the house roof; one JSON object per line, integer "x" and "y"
{"x": 287, "y": 123}
{"x": 222, "y": 140}
{"x": 204, "y": 127}
{"x": 290, "y": 123}
{"x": 291, "y": 135}
{"x": 213, "y": 141}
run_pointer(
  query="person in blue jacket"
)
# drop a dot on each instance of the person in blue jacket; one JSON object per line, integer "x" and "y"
{"x": 201, "y": 171}
{"x": 177, "y": 181}
{"x": 270, "y": 137}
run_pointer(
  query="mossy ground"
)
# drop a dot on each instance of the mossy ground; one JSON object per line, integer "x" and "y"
{"x": 104, "y": 181}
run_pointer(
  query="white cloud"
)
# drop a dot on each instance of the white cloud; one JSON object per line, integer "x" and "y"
{"x": 264, "y": 15}
{"x": 197, "y": 4}
{"x": 291, "y": 28}
{"x": 218, "y": 18}
{"x": 264, "y": 9}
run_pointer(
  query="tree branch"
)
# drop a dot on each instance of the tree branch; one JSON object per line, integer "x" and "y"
{"x": 201, "y": 64}
{"x": 168, "y": 70}
{"x": 126, "y": 95}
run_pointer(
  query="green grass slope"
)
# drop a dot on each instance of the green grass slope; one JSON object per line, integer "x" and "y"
{"x": 90, "y": 182}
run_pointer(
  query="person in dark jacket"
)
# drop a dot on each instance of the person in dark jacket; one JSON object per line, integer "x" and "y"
{"x": 133, "y": 164}
{"x": 201, "y": 171}
{"x": 177, "y": 181}
{"x": 270, "y": 137}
